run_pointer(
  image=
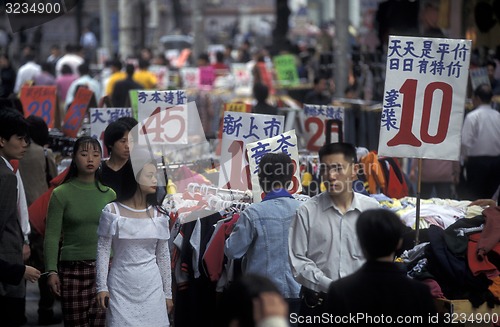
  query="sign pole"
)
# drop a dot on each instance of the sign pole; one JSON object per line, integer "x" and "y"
{"x": 417, "y": 212}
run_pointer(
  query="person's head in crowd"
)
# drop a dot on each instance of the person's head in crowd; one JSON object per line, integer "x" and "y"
{"x": 146, "y": 54}
{"x": 143, "y": 64}
{"x": 129, "y": 121}
{"x": 319, "y": 84}
{"x": 491, "y": 66}
{"x": 203, "y": 60}
{"x": 338, "y": 167}
{"x": 46, "y": 67}
{"x": 143, "y": 180}
{"x": 83, "y": 69}
{"x": 482, "y": 95}
{"x": 55, "y": 50}
{"x": 4, "y": 61}
{"x": 380, "y": 234}
{"x": 38, "y": 130}
{"x": 260, "y": 92}
{"x": 85, "y": 161}
{"x": 160, "y": 59}
{"x": 66, "y": 70}
{"x": 350, "y": 92}
{"x": 116, "y": 65}
{"x": 12, "y": 101}
{"x": 275, "y": 171}
{"x": 219, "y": 57}
{"x": 14, "y": 134}
{"x": 236, "y": 308}
{"x": 129, "y": 69}
{"x": 70, "y": 48}
{"x": 116, "y": 140}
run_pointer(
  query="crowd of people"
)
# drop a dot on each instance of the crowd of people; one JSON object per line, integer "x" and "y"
{"x": 104, "y": 250}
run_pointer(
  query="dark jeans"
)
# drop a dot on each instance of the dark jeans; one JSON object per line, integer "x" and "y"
{"x": 46, "y": 302}
{"x": 12, "y": 311}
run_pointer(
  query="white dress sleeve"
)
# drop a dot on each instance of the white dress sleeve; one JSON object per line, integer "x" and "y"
{"x": 163, "y": 259}
{"x": 102, "y": 262}
{"x": 104, "y": 241}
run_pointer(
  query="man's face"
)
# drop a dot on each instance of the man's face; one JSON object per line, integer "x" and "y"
{"x": 15, "y": 147}
{"x": 121, "y": 149}
{"x": 337, "y": 173}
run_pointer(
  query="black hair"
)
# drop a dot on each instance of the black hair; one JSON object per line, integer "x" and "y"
{"x": 138, "y": 159}
{"x": 38, "y": 130}
{"x": 379, "y": 232}
{"x": 84, "y": 142}
{"x": 83, "y": 69}
{"x": 260, "y": 92}
{"x": 237, "y": 300}
{"x": 491, "y": 63}
{"x": 129, "y": 69}
{"x": 117, "y": 64}
{"x": 317, "y": 79}
{"x": 131, "y": 122}
{"x": 219, "y": 56}
{"x": 204, "y": 56}
{"x": 114, "y": 132}
{"x": 275, "y": 170}
{"x": 484, "y": 93}
{"x": 12, "y": 123}
{"x": 347, "y": 149}
{"x": 66, "y": 69}
{"x": 143, "y": 63}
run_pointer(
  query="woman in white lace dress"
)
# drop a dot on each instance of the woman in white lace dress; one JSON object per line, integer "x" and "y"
{"x": 138, "y": 289}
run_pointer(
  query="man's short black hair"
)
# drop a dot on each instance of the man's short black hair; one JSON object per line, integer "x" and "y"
{"x": 38, "y": 129}
{"x": 275, "y": 171}
{"x": 379, "y": 232}
{"x": 83, "y": 69}
{"x": 143, "y": 63}
{"x": 12, "y": 123}
{"x": 130, "y": 69}
{"x": 484, "y": 93}
{"x": 129, "y": 121}
{"x": 114, "y": 132}
{"x": 260, "y": 92}
{"x": 347, "y": 149}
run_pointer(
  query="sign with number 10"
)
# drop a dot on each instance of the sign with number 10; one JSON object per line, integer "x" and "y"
{"x": 424, "y": 97}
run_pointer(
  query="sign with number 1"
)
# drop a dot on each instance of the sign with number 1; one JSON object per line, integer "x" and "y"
{"x": 424, "y": 97}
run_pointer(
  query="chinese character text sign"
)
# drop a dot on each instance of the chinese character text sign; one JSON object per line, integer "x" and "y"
{"x": 424, "y": 97}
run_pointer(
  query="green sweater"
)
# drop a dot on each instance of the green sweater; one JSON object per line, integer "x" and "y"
{"x": 74, "y": 211}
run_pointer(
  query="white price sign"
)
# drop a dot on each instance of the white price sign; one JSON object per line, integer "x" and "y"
{"x": 424, "y": 97}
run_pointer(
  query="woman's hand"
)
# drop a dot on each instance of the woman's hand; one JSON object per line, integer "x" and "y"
{"x": 103, "y": 299}
{"x": 54, "y": 284}
{"x": 170, "y": 306}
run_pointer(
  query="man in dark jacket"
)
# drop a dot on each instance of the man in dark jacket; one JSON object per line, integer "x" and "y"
{"x": 380, "y": 291}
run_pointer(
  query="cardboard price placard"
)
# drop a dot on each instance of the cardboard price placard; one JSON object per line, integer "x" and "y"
{"x": 40, "y": 101}
{"x": 424, "y": 97}
{"x": 84, "y": 98}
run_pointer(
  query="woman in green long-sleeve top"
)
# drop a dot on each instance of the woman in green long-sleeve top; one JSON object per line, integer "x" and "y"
{"x": 73, "y": 215}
